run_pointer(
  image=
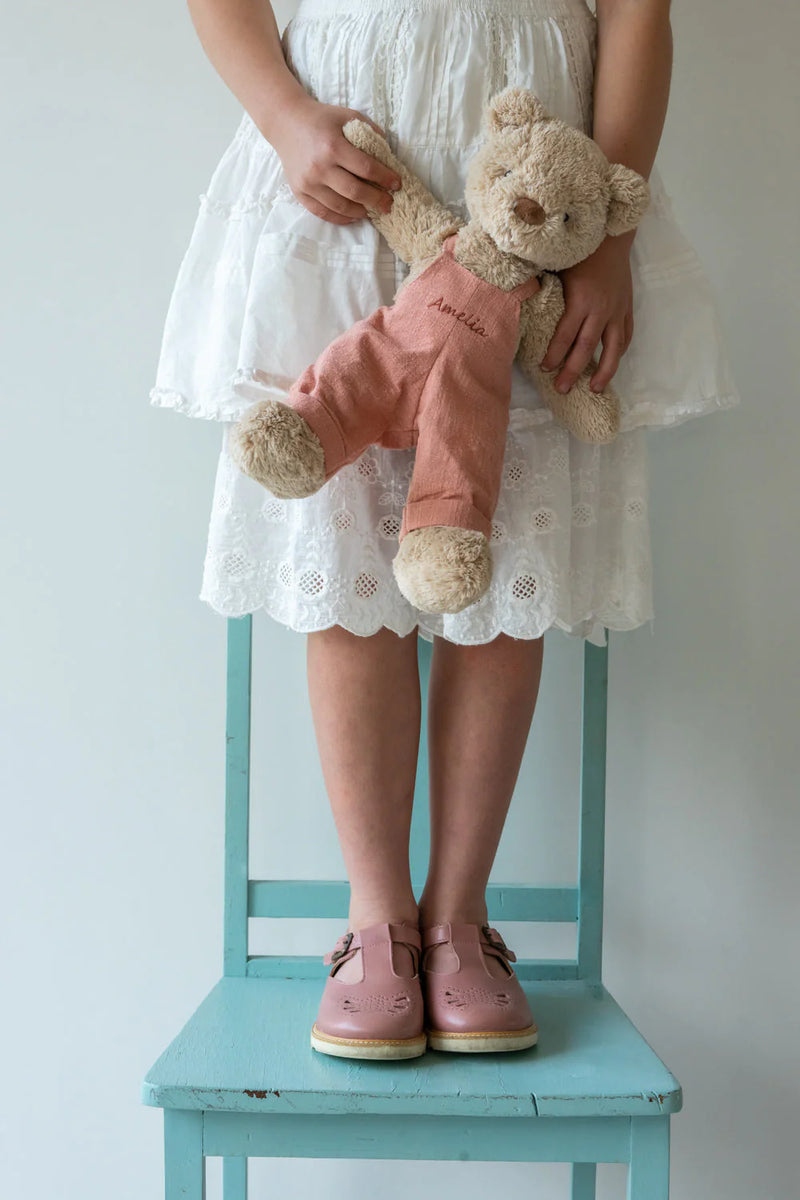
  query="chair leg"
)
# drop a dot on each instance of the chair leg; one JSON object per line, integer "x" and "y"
{"x": 234, "y": 1179}
{"x": 648, "y": 1172}
{"x": 584, "y": 1175}
{"x": 184, "y": 1166}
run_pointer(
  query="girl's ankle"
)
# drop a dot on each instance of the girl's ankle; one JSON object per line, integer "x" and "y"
{"x": 473, "y": 913}
{"x": 362, "y": 915}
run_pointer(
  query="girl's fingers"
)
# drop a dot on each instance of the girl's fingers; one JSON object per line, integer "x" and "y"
{"x": 320, "y": 210}
{"x": 581, "y": 353}
{"x": 365, "y": 166}
{"x": 563, "y": 337}
{"x": 613, "y": 349}
{"x": 340, "y": 204}
{"x": 359, "y": 192}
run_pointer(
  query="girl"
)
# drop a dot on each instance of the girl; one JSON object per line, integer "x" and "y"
{"x": 283, "y": 259}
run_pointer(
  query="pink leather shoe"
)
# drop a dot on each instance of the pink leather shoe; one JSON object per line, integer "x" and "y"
{"x": 468, "y": 1009}
{"x": 382, "y": 1015}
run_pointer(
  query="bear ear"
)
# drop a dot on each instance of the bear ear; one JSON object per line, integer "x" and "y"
{"x": 514, "y": 106}
{"x": 630, "y": 196}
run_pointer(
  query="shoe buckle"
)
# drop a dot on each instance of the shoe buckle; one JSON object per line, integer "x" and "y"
{"x": 342, "y": 950}
{"x": 496, "y": 942}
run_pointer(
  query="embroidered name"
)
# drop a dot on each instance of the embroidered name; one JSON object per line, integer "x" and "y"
{"x": 470, "y": 320}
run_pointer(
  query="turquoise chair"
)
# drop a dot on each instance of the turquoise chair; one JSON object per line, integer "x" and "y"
{"x": 240, "y": 1079}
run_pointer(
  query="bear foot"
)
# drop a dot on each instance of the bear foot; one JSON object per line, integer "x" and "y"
{"x": 275, "y": 446}
{"x": 443, "y": 568}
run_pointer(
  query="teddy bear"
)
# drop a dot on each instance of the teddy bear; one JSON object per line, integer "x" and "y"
{"x": 432, "y": 370}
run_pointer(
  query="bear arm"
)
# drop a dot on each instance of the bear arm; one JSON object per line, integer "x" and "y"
{"x": 418, "y": 223}
{"x": 539, "y": 316}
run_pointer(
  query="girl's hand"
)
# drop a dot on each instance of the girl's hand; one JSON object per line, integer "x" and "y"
{"x": 328, "y": 175}
{"x": 598, "y": 294}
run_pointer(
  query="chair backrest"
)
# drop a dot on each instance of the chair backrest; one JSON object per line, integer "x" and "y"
{"x": 581, "y": 902}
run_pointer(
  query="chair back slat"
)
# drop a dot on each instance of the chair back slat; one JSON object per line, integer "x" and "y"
{"x": 331, "y": 898}
{"x": 304, "y": 898}
{"x": 301, "y": 966}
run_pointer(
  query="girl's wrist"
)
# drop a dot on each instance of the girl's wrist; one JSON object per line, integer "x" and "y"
{"x": 623, "y": 241}
{"x": 610, "y": 254}
{"x": 616, "y": 247}
{"x": 612, "y": 251}
{"x": 286, "y": 100}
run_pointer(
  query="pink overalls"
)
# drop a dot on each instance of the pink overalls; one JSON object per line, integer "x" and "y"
{"x": 432, "y": 370}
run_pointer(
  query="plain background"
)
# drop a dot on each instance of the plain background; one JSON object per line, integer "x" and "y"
{"x": 113, "y": 670}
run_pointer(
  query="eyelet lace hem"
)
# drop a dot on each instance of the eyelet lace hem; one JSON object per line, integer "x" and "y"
{"x": 591, "y": 627}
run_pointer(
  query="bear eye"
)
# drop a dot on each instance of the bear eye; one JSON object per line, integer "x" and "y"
{"x": 503, "y": 171}
{"x": 566, "y": 218}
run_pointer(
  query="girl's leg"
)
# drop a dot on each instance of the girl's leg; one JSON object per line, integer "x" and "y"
{"x": 480, "y": 705}
{"x": 365, "y": 704}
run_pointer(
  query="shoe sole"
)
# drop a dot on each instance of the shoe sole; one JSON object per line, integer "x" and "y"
{"x": 384, "y": 1048}
{"x": 484, "y": 1042}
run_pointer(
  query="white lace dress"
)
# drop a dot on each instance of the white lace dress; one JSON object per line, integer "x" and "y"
{"x": 265, "y": 285}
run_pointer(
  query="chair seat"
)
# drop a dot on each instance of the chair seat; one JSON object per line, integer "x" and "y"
{"x": 246, "y": 1049}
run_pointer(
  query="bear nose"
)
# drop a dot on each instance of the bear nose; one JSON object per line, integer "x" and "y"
{"x": 529, "y": 211}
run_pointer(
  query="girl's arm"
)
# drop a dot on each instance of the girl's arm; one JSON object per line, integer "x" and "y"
{"x": 330, "y": 177}
{"x": 631, "y": 90}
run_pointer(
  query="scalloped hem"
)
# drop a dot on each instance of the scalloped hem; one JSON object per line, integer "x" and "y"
{"x": 591, "y": 628}
{"x": 228, "y": 406}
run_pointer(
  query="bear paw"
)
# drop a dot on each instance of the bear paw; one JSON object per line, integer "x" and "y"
{"x": 275, "y": 446}
{"x": 592, "y": 417}
{"x": 442, "y": 568}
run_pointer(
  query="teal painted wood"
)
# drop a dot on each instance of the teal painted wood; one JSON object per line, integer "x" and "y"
{"x": 591, "y": 851}
{"x": 648, "y": 1172}
{"x": 234, "y": 1178}
{"x": 246, "y": 1049}
{"x": 331, "y": 898}
{"x": 467, "y": 1139}
{"x": 584, "y": 1180}
{"x": 241, "y": 1080}
{"x": 184, "y": 1168}
{"x": 276, "y": 966}
{"x": 237, "y": 793}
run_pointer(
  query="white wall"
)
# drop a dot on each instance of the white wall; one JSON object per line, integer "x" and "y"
{"x": 113, "y": 670}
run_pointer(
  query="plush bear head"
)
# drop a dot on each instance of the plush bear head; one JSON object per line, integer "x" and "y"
{"x": 544, "y": 190}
